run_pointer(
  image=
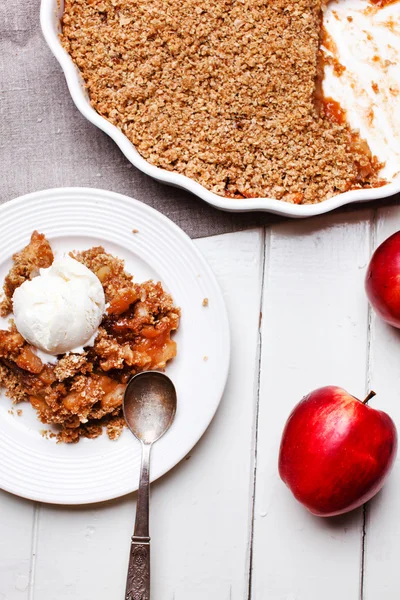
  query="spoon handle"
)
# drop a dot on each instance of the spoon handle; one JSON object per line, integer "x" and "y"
{"x": 138, "y": 580}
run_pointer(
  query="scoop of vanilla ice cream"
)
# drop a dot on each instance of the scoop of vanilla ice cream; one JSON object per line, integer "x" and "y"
{"x": 61, "y": 309}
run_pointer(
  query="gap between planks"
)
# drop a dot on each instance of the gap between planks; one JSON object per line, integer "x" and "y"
{"x": 265, "y": 240}
{"x": 368, "y": 383}
{"x": 34, "y": 546}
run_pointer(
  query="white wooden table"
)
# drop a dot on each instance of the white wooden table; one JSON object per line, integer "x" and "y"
{"x": 224, "y": 527}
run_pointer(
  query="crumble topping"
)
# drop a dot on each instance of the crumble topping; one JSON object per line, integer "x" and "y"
{"x": 223, "y": 92}
{"x": 37, "y": 255}
{"x": 82, "y": 394}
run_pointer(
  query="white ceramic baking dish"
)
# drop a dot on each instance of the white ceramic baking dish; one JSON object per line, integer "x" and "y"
{"x": 50, "y": 14}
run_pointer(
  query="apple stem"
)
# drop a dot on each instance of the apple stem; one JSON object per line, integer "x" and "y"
{"x": 368, "y": 398}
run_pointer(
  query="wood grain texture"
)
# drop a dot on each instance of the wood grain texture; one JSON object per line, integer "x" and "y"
{"x": 314, "y": 333}
{"x": 382, "y": 541}
{"x": 16, "y": 529}
{"x": 200, "y": 512}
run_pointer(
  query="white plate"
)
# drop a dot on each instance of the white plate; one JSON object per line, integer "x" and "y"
{"x": 50, "y": 14}
{"x": 95, "y": 470}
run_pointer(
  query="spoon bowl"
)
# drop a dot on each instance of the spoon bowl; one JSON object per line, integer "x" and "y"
{"x": 149, "y": 405}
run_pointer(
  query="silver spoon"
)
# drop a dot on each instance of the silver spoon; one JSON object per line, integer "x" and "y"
{"x": 149, "y": 410}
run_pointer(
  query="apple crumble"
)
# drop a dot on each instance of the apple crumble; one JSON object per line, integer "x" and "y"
{"x": 223, "y": 92}
{"x": 82, "y": 393}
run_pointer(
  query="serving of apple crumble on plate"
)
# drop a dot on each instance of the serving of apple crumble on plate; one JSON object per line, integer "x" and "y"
{"x": 110, "y": 237}
{"x": 81, "y": 393}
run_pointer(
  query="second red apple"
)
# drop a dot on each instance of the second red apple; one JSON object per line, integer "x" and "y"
{"x": 382, "y": 282}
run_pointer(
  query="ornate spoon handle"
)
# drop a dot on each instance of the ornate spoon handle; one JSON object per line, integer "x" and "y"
{"x": 138, "y": 580}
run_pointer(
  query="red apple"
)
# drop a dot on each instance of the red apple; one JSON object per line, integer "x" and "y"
{"x": 382, "y": 282}
{"x": 336, "y": 451}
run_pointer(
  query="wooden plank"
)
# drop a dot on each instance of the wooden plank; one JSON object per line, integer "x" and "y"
{"x": 314, "y": 333}
{"x": 200, "y": 511}
{"x": 16, "y": 527}
{"x": 382, "y": 541}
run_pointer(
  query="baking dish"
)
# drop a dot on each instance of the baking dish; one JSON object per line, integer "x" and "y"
{"x": 51, "y": 12}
